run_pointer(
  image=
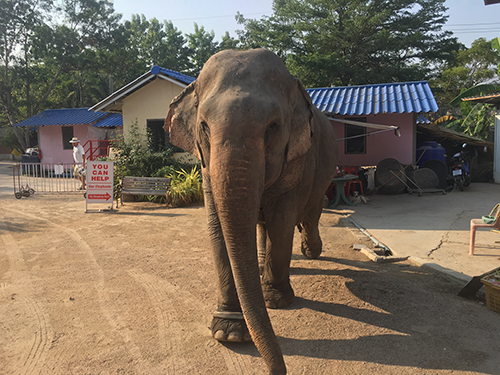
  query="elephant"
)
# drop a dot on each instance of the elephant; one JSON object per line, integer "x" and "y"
{"x": 267, "y": 157}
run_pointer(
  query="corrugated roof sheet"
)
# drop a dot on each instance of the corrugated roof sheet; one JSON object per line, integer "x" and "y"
{"x": 112, "y": 121}
{"x": 172, "y": 73}
{"x": 67, "y": 116}
{"x": 423, "y": 120}
{"x": 408, "y": 97}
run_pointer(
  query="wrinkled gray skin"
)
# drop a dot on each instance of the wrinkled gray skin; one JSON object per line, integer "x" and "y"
{"x": 268, "y": 156}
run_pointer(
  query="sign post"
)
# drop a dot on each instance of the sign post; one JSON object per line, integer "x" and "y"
{"x": 100, "y": 183}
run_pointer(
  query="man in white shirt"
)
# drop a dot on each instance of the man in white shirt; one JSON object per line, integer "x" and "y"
{"x": 80, "y": 160}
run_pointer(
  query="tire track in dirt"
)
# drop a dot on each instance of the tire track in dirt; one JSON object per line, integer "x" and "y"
{"x": 164, "y": 293}
{"x": 168, "y": 325}
{"x": 21, "y": 289}
{"x": 35, "y": 359}
{"x": 172, "y": 331}
{"x": 104, "y": 299}
{"x": 97, "y": 276}
{"x": 170, "y": 303}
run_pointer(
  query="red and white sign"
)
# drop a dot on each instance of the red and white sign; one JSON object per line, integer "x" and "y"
{"x": 100, "y": 182}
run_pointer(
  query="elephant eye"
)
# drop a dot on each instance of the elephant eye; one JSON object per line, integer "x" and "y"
{"x": 271, "y": 131}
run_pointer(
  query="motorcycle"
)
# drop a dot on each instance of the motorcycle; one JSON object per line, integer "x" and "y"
{"x": 459, "y": 167}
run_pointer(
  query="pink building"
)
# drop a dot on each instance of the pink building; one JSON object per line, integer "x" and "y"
{"x": 56, "y": 127}
{"x": 375, "y": 122}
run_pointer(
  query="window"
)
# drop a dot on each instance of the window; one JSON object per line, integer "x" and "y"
{"x": 67, "y": 134}
{"x": 157, "y": 140}
{"x": 355, "y": 142}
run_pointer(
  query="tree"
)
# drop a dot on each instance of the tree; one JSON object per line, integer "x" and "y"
{"x": 228, "y": 42}
{"x": 202, "y": 45}
{"x": 474, "y": 74}
{"x": 474, "y": 66}
{"x": 18, "y": 19}
{"x": 176, "y": 53}
{"x": 50, "y": 55}
{"x": 158, "y": 43}
{"x": 340, "y": 42}
{"x": 88, "y": 27}
{"x": 474, "y": 120}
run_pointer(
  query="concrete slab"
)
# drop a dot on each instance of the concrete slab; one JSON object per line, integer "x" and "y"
{"x": 433, "y": 229}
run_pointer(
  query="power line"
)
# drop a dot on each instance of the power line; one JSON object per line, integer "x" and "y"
{"x": 475, "y": 31}
{"x": 208, "y": 17}
{"x": 264, "y": 13}
{"x": 473, "y": 24}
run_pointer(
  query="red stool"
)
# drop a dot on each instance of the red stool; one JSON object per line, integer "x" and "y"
{"x": 351, "y": 185}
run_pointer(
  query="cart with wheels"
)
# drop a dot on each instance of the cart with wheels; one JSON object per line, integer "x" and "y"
{"x": 19, "y": 189}
{"x": 416, "y": 188}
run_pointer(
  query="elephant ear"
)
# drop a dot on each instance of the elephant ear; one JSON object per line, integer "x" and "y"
{"x": 181, "y": 120}
{"x": 302, "y": 123}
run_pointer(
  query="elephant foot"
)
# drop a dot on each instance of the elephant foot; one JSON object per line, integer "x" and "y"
{"x": 312, "y": 251}
{"x": 277, "y": 297}
{"x": 230, "y": 326}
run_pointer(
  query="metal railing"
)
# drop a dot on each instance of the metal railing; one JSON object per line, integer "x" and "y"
{"x": 44, "y": 178}
{"x": 96, "y": 148}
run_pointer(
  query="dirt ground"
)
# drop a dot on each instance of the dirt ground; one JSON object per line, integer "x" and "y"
{"x": 132, "y": 292}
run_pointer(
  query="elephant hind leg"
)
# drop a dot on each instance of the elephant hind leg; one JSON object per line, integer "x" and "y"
{"x": 229, "y": 329}
{"x": 278, "y": 296}
{"x": 311, "y": 249}
{"x": 311, "y": 246}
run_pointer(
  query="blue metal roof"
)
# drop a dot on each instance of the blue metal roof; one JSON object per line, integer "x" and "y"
{"x": 408, "y": 97}
{"x": 423, "y": 120}
{"x": 172, "y": 73}
{"x": 67, "y": 116}
{"x": 112, "y": 121}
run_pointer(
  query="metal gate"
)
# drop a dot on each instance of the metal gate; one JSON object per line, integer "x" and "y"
{"x": 43, "y": 178}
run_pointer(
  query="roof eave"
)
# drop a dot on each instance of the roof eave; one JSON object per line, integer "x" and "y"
{"x": 113, "y": 101}
{"x": 174, "y": 81}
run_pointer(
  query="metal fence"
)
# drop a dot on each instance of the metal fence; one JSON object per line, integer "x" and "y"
{"x": 44, "y": 178}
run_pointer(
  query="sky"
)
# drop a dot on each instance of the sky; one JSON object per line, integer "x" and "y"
{"x": 468, "y": 19}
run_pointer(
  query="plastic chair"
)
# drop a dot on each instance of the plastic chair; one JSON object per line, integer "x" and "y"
{"x": 479, "y": 223}
{"x": 351, "y": 185}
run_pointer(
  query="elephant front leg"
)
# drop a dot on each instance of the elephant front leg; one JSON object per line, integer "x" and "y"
{"x": 278, "y": 292}
{"x": 228, "y": 323}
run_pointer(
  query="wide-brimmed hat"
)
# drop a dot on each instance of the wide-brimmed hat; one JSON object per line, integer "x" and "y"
{"x": 74, "y": 140}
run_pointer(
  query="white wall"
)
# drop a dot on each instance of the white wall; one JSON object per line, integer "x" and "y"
{"x": 151, "y": 102}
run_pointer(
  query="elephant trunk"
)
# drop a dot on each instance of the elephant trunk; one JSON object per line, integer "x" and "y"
{"x": 237, "y": 177}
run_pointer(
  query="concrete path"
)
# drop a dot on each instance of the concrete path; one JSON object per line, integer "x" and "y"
{"x": 434, "y": 229}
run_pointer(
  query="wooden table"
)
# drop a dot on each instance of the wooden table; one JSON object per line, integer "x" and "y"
{"x": 339, "y": 190}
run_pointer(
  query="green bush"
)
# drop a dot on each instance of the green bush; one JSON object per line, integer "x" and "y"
{"x": 133, "y": 158}
{"x": 185, "y": 188}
